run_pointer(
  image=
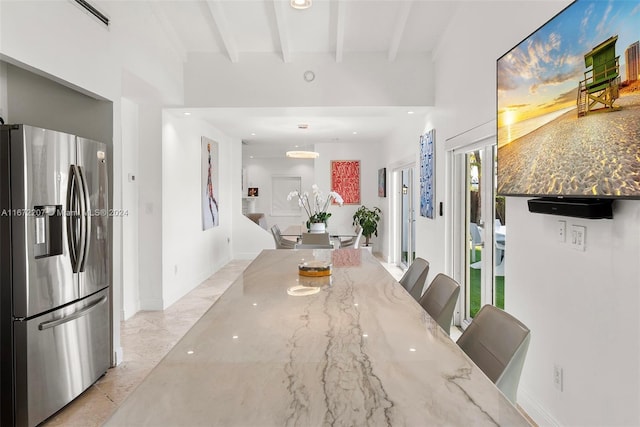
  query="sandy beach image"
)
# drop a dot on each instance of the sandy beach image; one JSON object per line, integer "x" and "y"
{"x": 568, "y": 103}
{"x": 595, "y": 155}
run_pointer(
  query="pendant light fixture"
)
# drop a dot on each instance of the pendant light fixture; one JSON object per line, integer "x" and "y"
{"x": 303, "y": 154}
{"x": 300, "y": 4}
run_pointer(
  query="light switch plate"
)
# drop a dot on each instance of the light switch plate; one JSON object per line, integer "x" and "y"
{"x": 562, "y": 231}
{"x": 578, "y": 236}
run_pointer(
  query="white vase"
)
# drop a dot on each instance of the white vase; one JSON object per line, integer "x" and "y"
{"x": 317, "y": 227}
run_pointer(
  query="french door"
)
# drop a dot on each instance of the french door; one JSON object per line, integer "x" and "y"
{"x": 481, "y": 223}
{"x": 407, "y": 249}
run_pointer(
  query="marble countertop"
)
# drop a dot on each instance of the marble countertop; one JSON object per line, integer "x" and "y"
{"x": 279, "y": 349}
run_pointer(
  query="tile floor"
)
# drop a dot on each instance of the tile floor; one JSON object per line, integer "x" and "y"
{"x": 146, "y": 338}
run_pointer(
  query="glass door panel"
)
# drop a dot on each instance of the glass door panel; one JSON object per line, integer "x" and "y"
{"x": 484, "y": 225}
{"x": 474, "y": 225}
{"x": 499, "y": 239}
{"x": 407, "y": 246}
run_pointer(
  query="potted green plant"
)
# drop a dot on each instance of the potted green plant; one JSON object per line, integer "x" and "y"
{"x": 368, "y": 220}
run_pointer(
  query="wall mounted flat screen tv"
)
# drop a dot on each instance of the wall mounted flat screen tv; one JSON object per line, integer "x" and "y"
{"x": 569, "y": 105}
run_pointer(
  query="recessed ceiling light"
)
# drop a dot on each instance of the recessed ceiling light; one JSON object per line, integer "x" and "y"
{"x": 409, "y": 112}
{"x": 301, "y": 4}
{"x": 253, "y": 134}
{"x": 187, "y": 114}
{"x": 296, "y": 146}
{"x": 355, "y": 133}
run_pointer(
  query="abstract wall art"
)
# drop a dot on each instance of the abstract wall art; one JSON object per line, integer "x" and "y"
{"x": 345, "y": 180}
{"x": 382, "y": 182}
{"x": 427, "y": 174}
{"x": 210, "y": 192}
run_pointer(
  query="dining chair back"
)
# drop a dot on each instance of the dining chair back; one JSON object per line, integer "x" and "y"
{"x": 415, "y": 277}
{"x": 316, "y": 239}
{"x": 356, "y": 243}
{"x": 497, "y": 342}
{"x": 439, "y": 300}
{"x": 281, "y": 242}
{"x": 312, "y": 246}
{"x": 353, "y": 241}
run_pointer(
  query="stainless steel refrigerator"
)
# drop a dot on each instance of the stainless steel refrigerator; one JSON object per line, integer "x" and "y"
{"x": 54, "y": 271}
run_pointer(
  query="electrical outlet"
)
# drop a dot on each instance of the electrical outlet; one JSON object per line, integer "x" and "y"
{"x": 562, "y": 231}
{"x": 578, "y": 236}
{"x": 557, "y": 377}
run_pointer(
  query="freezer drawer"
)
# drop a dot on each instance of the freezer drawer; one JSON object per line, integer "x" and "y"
{"x": 59, "y": 355}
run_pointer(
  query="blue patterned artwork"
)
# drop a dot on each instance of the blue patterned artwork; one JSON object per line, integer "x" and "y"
{"x": 427, "y": 171}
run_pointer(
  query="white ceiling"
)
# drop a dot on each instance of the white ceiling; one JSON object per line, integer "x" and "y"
{"x": 335, "y": 27}
{"x": 236, "y": 28}
{"x": 270, "y": 132}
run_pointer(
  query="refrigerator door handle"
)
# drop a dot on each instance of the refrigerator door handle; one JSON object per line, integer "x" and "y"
{"x": 85, "y": 220}
{"x": 71, "y": 219}
{"x": 75, "y": 212}
{"x": 53, "y": 323}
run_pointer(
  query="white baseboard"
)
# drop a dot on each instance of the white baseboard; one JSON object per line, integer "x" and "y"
{"x": 118, "y": 356}
{"x": 535, "y": 410}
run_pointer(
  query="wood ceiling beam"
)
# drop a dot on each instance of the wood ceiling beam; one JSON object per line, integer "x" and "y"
{"x": 283, "y": 33}
{"x": 398, "y": 30}
{"x": 222, "y": 24}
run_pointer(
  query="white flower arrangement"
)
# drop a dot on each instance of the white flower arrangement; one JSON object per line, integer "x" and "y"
{"x": 316, "y": 206}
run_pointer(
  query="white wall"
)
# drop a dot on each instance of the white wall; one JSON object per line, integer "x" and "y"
{"x": 130, "y": 200}
{"x": 580, "y": 306}
{"x": 370, "y": 161}
{"x": 191, "y": 254}
{"x": 263, "y": 80}
{"x": 401, "y": 149}
{"x": 248, "y": 239}
{"x": 259, "y": 174}
{"x": 145, "y": 113}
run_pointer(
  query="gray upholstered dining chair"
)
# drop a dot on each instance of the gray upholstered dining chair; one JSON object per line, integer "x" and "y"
{"x": 414, "y": 278}
{"x": 316, "y": 239}
{"x": 440, "y": 299}
{"x": 497, "y": 342}
{"x": 352, "y": 241}
{"x": 281, "y": 242}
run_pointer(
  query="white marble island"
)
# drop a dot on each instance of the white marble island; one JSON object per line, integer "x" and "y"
{"x": 360, "y": 351}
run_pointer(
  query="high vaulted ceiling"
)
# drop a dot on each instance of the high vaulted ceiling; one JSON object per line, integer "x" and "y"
{"x": 332, "y": 28}
{"x": 335, "y": 27}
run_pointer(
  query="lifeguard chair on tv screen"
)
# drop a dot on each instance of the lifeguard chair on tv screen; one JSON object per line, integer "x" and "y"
{"x": 601, "y": 83}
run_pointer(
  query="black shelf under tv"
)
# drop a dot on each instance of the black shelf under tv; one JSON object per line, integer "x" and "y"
{"x": 573, "y": 207}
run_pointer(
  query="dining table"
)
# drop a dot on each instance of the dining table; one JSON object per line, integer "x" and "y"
{"x": 349, "y": 349}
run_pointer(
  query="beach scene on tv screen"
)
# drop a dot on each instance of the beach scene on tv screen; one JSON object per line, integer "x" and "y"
{"x": 569, "y": 105}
